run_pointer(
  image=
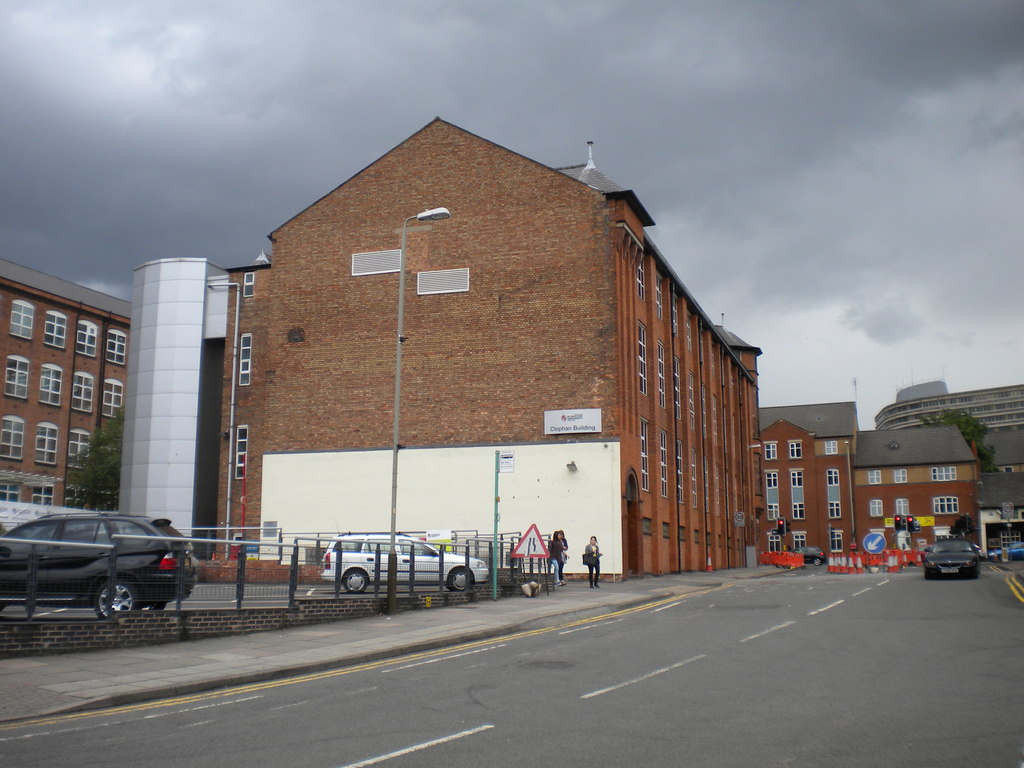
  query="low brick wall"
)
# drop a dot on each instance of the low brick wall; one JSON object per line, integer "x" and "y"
{"x": 141, "y": 628}
{"x": 256, "y": 572}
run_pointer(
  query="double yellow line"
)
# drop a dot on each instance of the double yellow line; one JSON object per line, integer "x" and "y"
{"x": 221, "y": 693}
{"x": 1012, "y": 579}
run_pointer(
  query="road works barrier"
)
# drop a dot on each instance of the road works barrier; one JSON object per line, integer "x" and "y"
{"x": 783, "y": 559}
{"x": 890, "y": 560}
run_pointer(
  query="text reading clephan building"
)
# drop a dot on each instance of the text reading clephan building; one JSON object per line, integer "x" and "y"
{"x": 65, "y": 351}
{"x": 539, "y": 322}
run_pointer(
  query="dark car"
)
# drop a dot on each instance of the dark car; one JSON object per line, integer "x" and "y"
{"x": 813, "y": 555}
{"x": 147, "y": 570}
{"x": 952, "y": 557}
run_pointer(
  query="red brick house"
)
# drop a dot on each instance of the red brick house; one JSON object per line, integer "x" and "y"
{"x": 541, "y": 303}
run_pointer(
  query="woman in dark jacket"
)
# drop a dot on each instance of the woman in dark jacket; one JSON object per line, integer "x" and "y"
{"x": 592, "y": 559}
{"x": 556, "y": 552}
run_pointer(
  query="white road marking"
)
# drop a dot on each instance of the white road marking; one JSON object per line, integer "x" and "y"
{"x": 862, "y": 592}
{"x": 417, "y": 747}
{"x": 767, "y": 631}
{"x": 822, "y": 610}
{"x": 666, "y": 607}
{"x": 640, "y": 679}
{"x": 590, "y": 626}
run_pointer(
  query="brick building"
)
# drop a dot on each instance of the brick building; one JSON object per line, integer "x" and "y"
{"x": 818, "y": 467}
{"x": 540, "y": 304}
{"x": 808, "y": 474}
{"x": 65, "y": 353}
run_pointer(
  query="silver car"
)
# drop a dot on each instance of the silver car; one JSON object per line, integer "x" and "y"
{"x": 358, "y": 562}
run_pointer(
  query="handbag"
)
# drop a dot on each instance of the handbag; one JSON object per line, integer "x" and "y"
{"x": 589, "y": 560}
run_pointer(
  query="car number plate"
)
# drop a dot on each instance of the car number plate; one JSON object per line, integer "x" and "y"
{"x": 949, "y": 570}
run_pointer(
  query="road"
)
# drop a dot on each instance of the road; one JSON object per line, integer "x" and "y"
{"x": 803, "y": 669}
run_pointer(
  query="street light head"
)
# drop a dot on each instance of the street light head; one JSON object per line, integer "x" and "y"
{"x": 434, "y": 214}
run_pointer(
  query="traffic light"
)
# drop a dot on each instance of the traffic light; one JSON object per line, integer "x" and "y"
{"x": 781, "y": 527}
{"x": 912, "y": 524}
{"x": 900, "y": 523}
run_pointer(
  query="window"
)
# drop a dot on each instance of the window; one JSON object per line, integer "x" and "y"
{"x": 677, "y": 398}
{"x": 899, "y": 475}
{"x": 12, "y": 437}
{"x": 42, "y": 494}
{"x": 831, "y": 477}
{"x": 657, "y": 295}
{"x": 796, "y": 478}
{"x": 644, "y": 480}
{"x": 771, "y": 479}
{"x": 773, "y": 511}
{"x": 874, "y": 477}
{"x": 902, "y": 506}
{"x": 675, "y": 314}
{"x": 46, "y": 443}
{"x": 835, "y": 509}
{"x": 875, "y": 508}
{"x": 78, "y": 442}
{"x": 82, "y": 386}
{"x": 771, "y": 451}
{"x": 113, "y": 396}
{"x": 50, "y": 382}
{"x": 641, "y": 355}
{"x": 640, "y": 277}
{"x": 664, "y": 530}
{"x": 117, "y": 346}
{"x": 679, "y": 471}
{"x": 946, "y": 505}
{"x": 942, "y": 474}
{"x": 55, "y": 329}
{"x": 831, "y": 447}
{"x": 16, "y": 378}
{"x": 690, "y": 399}
{"x": 835, "y": 540}
{"x": 663, "y": 461}
{"x": 796, "y": 449}
{"x": 86, "y": 338}
{"x": 798, "y": 510}
{"x": 693, "y": 478}
{"x": 661, "y": 374}
{"x": 241, "y": 450}
{"x": 22, "y": 317}
{"x": 248, "y": 284}
{"x": 244, "y": 359}
{"x": 9, "y": 492}
{"x": 799, "y": 539}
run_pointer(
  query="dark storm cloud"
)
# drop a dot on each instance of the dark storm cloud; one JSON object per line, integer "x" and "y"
{"x": 855, "y": 163}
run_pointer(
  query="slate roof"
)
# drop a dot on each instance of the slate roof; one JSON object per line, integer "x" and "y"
{"x": 997, "y": 487}
{"x": 1009, "y": 446}
{"x": 912, "y": 446}
{"x": 64, "y": 288}
{"x": 821, "y": 419}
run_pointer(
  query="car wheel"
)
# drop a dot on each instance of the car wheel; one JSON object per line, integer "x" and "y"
{"x": 123, "y": 599}
{"x": 817, "y": 561}
{"x": 355, "y": 580}
{"x": 459, "y": 579}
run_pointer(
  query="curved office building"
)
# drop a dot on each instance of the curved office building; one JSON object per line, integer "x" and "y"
{"x": 998, "y": 408}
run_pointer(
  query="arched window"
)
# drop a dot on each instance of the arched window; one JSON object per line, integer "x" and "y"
{"x": 12, "y": 437}
{"x": 50, "y": 382}
{"x": 16, "y": 377}
{"x": 82, "y": 388}
{"x": 113, "y": 396}
{"x": 55, "y": 329}
{"x": 117, "y": 346}
{"x": 22, "y": 317}
{"x": 46, "y": 443}
{"x": 85, "y": 339}
{"x": 78, "y": 441}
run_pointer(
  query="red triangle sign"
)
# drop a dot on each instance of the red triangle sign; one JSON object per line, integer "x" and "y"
{"x": 531, "y": 545}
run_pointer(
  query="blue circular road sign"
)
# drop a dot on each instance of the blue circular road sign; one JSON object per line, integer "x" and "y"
{"x": 874, "y": 543}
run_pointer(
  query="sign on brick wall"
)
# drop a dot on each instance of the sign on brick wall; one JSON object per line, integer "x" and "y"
{"x": 572, "y": 422}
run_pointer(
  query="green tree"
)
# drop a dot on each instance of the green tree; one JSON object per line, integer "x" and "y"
{"x": 972, "y": 430}
{"x": 94, "y": 481}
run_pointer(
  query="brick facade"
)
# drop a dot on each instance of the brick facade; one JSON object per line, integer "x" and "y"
{"x": 562, "y": 276}
{"x": 79, "y": 337}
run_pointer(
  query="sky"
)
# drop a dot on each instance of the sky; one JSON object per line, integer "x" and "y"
{"x": 841, "y": 181}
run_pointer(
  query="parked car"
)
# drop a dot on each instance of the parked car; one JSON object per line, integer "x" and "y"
{"x": 953, "y": 557}
{"x": 1013, "y": 552}
{"x": 813, "y": 555}
{"x": 358, "y": 553}
{"x": 78, "y": 577}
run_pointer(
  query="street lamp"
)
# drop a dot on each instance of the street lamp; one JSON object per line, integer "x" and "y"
{"x": 433, "y": 214}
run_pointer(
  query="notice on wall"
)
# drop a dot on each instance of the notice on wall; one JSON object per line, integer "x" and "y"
{"x": 576, "y": 421}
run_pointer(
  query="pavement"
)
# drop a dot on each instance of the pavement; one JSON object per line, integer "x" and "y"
{"x": 38, "y": 686}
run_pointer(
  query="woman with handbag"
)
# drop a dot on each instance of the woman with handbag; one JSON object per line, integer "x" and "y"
{"x": 592, "y": 559}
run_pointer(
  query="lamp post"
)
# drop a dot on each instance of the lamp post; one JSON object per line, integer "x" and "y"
{"x": 433, "y": 214}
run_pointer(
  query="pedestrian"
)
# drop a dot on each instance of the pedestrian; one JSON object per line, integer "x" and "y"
{"x": 592, "y": 559}
{"x": 565, "y": 556}
{"x": 555, "y": 552}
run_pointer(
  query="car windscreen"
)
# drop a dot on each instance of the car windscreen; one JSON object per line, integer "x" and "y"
{"x": 951, "y": 546}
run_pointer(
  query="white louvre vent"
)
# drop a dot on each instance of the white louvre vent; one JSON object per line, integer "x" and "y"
{"x": 442, "y": 281}
{"x": 376, "y": 262}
